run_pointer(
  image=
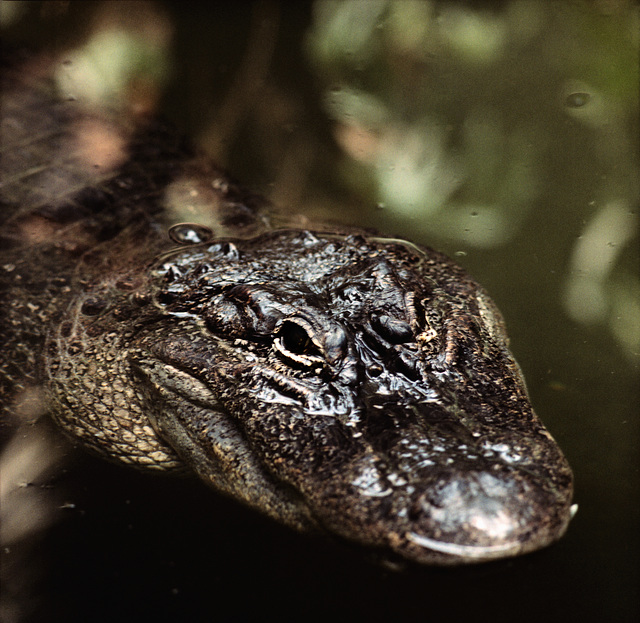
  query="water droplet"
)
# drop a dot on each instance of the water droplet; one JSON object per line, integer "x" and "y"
{"x": 578, "y": 99}
{"x": 190, "y": 233}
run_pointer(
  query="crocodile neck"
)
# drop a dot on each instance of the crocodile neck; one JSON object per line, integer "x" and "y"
{"x": 84, "y": 195}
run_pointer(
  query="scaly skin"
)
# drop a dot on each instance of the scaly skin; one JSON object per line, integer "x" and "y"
{"x": 332, "y": 380}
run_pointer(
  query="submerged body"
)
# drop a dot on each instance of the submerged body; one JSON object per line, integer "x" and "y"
{"x": 333, "y": 380}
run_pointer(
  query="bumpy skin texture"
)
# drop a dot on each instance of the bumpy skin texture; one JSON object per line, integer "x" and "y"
{"x": 340, "y": 381}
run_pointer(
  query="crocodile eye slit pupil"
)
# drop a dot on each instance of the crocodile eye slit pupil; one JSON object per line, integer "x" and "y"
{"x": 295, "y": 339}
{"x": 293, "y": 342}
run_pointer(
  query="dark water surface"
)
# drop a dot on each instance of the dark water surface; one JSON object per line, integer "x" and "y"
{"x": 533, "y": 148}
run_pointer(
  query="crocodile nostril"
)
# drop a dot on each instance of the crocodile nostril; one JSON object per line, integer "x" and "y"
{"x": 393, "y": 330}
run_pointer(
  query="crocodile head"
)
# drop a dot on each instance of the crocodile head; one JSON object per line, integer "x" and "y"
{"x": 362, "y": 385}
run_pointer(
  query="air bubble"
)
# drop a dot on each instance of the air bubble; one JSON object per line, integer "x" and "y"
{"x": 578, "y": 99}
{"x": 190, "y": 233}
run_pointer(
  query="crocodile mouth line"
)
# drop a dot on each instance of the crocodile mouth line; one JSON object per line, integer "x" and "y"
{"x": 478, "y": 552}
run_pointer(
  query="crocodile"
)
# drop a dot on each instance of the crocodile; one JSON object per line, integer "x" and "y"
{"x": 334, "y": 379}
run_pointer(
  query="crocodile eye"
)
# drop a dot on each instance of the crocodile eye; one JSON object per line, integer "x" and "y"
{"x": 293, "y": 340}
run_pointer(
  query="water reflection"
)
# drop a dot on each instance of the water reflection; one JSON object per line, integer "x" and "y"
{"x": 507, "y": 135}
{"x": 597, "y": 288}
